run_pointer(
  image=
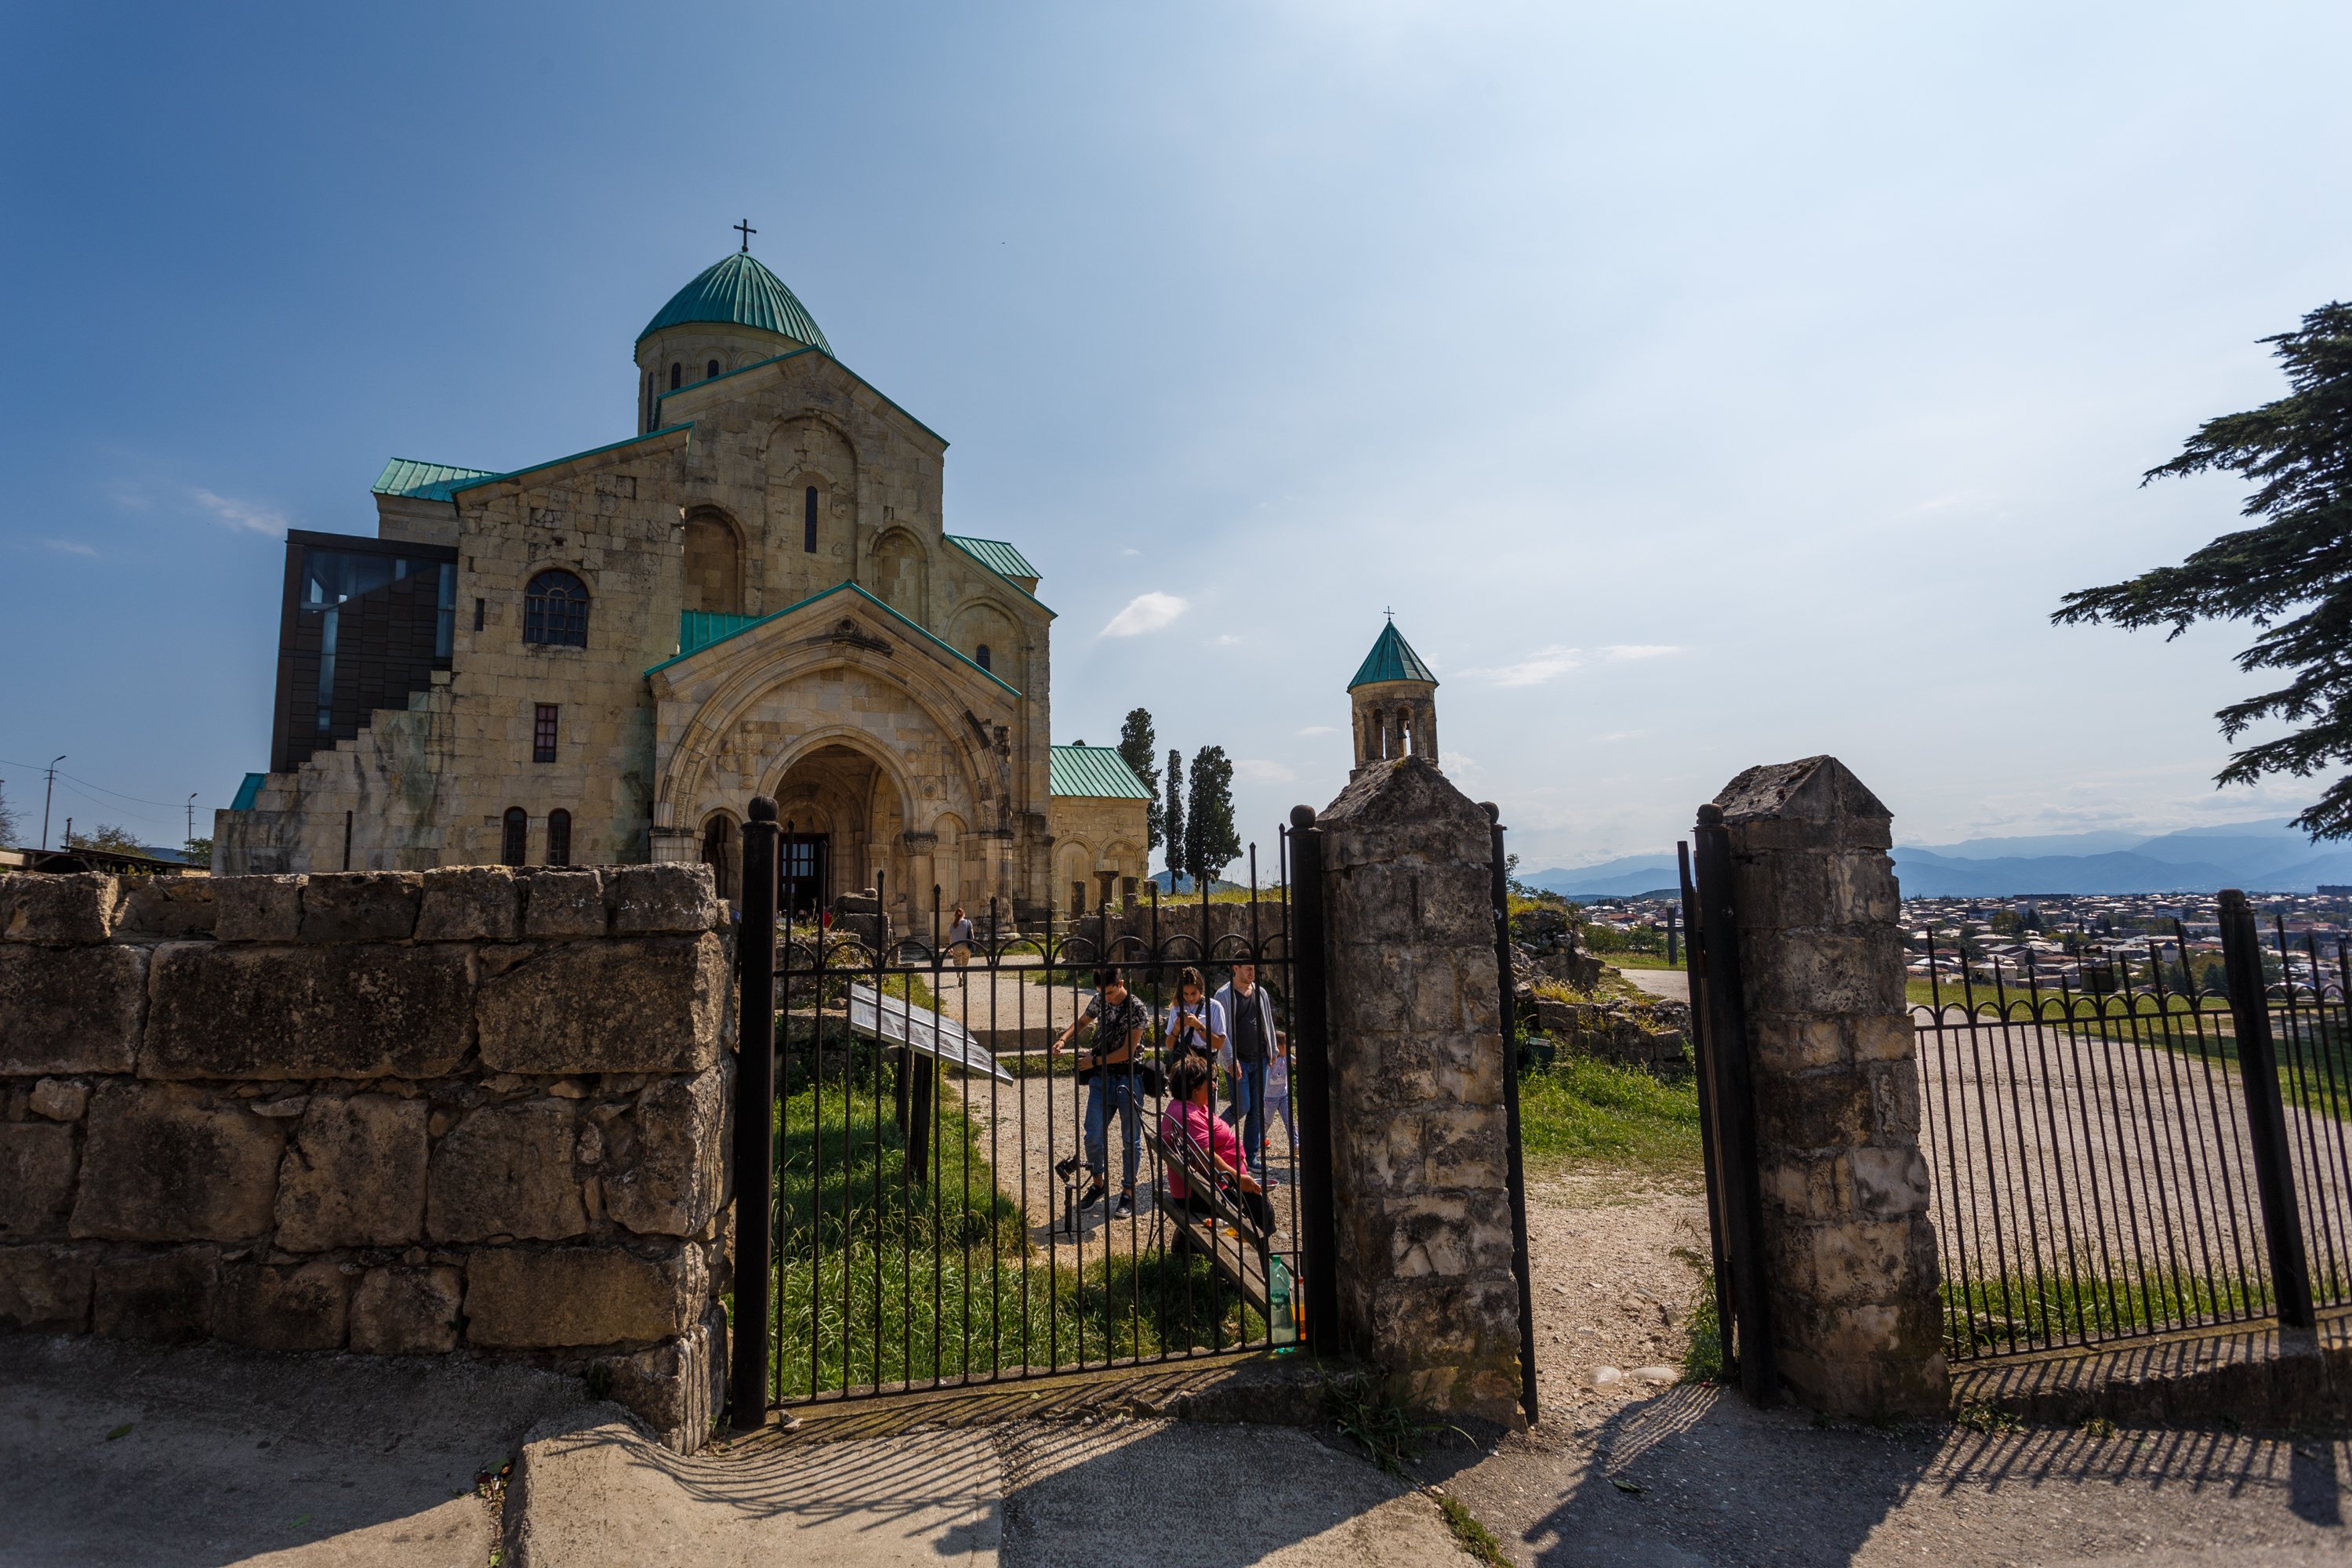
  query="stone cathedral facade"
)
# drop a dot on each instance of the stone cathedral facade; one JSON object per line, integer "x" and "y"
{"x": 601, "y": 659}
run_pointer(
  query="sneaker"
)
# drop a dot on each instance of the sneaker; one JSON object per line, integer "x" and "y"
{"x": 1094, "y": 1195}
{"x": 1125, "y": 1209}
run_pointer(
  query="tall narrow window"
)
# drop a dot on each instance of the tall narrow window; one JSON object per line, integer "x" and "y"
{"x": 980, "y": 656}
{"x": 542, "y": 733}
{"x": 676, "y": 375}
{"x": 808, "y": 519}
{"x": 515, "y": 847}
{"x": 480, "y": 607}
{"x": 445, "y": 612}
{"x": 555, "y": 610}
{"x": 559, "y": 838}
{"x": 711, "y": 370}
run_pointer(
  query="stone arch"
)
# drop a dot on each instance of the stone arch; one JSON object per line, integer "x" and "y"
{"x": 902, "y": 574}
{"x": 714, "y": 562}
{"x": 987, "y": 622}
{"x": 804, "y": 452}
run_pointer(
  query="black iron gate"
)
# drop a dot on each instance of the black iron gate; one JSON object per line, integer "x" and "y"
{"x": 1726, "y": 1108}
{"x": 945, "y": 1160}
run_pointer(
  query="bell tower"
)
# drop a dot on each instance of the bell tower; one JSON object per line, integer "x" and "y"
{"x": 1394, "y": 698}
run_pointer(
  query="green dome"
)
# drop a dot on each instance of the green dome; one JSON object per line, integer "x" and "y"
{"x": 1391, "y": 659}
{"x": 739, "y": 292}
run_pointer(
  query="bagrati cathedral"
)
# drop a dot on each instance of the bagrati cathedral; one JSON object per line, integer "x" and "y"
{"x": 602, "y": 659}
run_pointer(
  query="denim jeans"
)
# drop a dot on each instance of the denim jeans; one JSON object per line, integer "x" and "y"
{"x": 1249, "y": 1113}
{"x": 1114, "y": 1085}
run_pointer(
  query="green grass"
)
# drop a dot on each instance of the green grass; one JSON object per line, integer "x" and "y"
{"x": 1475, "y": 1540}
{"x": 1582, "y": 1112}
{"x": 1703, "y": 1357}
{"x": 1644, "y": 961}
{"x": 2050, "y": 1308}
{"x": 897, "y": 1279}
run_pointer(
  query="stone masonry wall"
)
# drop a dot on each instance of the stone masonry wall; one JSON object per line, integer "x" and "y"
{"x": 1419, "y": 1133}
{"x": 1851, "y": 1259}
{"x": 471, "y": 1110}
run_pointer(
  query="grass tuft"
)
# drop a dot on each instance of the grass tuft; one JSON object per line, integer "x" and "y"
{"x": 1360, "y": 1406}
{"x": 1475, "y": 1539}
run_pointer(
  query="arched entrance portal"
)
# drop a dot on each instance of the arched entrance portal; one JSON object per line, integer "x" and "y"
{"x": 843, "y": 822}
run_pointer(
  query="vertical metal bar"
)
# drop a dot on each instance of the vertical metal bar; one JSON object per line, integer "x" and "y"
{"x": 1500, "y": 886}
{"x": 1734, "y": 1106}
{"x": 1311, "y": 1084}
{"x": 755, "y": 1093}
{"x": 2265, "y": 1116}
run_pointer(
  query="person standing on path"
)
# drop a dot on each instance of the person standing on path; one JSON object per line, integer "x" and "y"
{"x": 1118, "y": 1019}
{"x": 1196, "y": 1024}
{"x": 960, "y": 939}
{"x": 1249, "y": 1023}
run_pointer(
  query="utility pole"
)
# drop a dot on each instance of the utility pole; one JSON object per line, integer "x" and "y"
{"x": 46, "y": 793}
{"x": 191, "y": 815}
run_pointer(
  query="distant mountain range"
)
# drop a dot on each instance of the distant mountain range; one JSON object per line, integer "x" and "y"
{"x": 2268, "y": 857}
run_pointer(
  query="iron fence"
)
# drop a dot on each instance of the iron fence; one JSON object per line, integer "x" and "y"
{"x": 933, "y": 1158}
{"x": 2145, "y": 1159}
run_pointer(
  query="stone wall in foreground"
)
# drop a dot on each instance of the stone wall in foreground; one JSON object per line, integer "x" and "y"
{"x": 468, "y": 1110}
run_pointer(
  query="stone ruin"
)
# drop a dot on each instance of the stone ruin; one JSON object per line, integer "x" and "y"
{"x": 1547, "y": 958}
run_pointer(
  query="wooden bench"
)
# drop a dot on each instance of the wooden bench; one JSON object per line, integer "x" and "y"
{"x": 1243, "y": 1256}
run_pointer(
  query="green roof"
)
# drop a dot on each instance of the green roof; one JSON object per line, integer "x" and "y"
{"x": 714, "y": 629}
{"x": 739, "y": 292}
{"x": 996, "y": 555}
{"x": 1098, "y": 771}
{"x": 248, "y": 792}
{"x": 1391, "y": 659}
{"x": 424, "y": 481}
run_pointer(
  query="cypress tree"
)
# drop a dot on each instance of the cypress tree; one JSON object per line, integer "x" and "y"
{"x": 1136, "y": 743}
{"x": 1210, "y": 841}
{"x": 1173, "y": 816}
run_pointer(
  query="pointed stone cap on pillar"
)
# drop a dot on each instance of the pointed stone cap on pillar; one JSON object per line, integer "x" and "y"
{"x": 1815, "y": 803}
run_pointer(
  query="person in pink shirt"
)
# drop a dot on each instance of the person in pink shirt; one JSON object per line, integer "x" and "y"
{"x": 1188, "y": 1117}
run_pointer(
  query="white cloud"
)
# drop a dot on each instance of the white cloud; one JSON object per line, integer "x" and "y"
{"x": 1145, "y": 613}
{"x": 1319, "y": 729}
{"x": 69, "y": 547}
{"x": 128, "y": 496}
{"x": 1544, "y": 664}
{"x": 1130, "y": 551}
{"x": 243, "y": 514}
{"x": 1618, "y": 653}
{"x": 1228, "y": 640}
{"x": 1257, "y": 769}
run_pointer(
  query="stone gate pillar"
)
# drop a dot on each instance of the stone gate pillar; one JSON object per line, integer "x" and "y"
{"x": 1418, "y": 1134}
{"x": 1857, "y": 1324}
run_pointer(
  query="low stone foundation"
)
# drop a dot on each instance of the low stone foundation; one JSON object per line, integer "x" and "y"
{"x": 473, "y": 1109}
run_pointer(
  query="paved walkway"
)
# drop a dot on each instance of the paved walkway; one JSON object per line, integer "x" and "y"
{"x": 1673, "y": 984}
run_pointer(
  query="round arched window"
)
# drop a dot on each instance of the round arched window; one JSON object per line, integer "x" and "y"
{"x": 980, "y": 657}
{"x": 711, "y": 370}
{"x": 555, "y": 610}
{"x": 514, "y": 847}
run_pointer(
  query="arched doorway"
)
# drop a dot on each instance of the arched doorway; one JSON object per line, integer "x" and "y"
{"x": 843, "y": 820}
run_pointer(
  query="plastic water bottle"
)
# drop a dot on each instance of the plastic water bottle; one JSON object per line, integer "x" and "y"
{"x": 1281, "y": 1325}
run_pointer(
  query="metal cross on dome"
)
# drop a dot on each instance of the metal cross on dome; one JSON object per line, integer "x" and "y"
{"x": 748, "y": 231}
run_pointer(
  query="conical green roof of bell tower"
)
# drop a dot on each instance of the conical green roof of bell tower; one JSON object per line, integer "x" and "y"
{"x": 1391, "y": 659}
{"x": 740, "y": 292}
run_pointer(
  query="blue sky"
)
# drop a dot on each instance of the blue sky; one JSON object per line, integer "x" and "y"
{"x": 1701, "y": 386}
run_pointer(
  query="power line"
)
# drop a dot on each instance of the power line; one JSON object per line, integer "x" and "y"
{"x": 166, "y": 805}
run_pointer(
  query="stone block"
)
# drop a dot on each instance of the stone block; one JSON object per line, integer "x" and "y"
{"x": 1817, "y": 1109}
{"x": 1860, "y": 1261}
{"x": 257, "y": 908}
{"x": 507, "y": 1171}
{"x": 662, "y": 901}
{"x": 406, "y": 1312}
{"x": 171, "y": 908}
{"x": 362, "y": 906}
{"x": 677, "y": 1389}
{"x": 470, "y": 903}
{"x": 1888, "y": 1181}
{"x": 58, "y": 1099}
{"x": 1823, "y": 972}
{"x": 353, "y": 1174}
{"x": 165, "y": 1296}
{"x": 558, "y": 904}
{"x": 360, "y": 1010}
{"x": 640, "y": 1005}
{"x": 70, "y": 1009}
{"x": 1793, "y": 1045}
{"x": 1808, "y": 1186}
{"x": 37, "y": 1179}
{"x": 518, "y": 1299}
{"x": 40, "y": 906}
{"x": 664, "y": 1165}
{"x": 281, "y": 1308}
{"x": 1895, "y": 1102}
{"x": 44, "y": 1288}
{"x": 167, "y": 1163}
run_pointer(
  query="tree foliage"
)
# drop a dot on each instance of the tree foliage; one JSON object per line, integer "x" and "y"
{"x": 1171, "y": 816}
{"x": 1210, "y": 840}
{"x": 199, "y": 852}
{"x": 2290, "y": 574}
{"x": 1138, "y": 747}
{"x": 106, "y": 835}
{"x": 12, "y": 828}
